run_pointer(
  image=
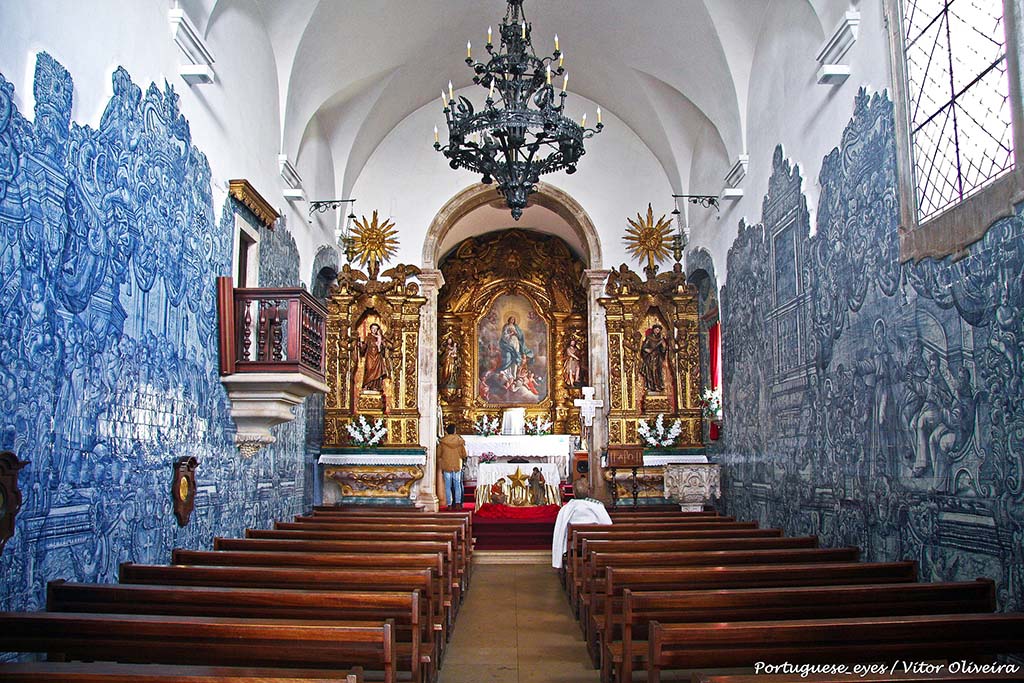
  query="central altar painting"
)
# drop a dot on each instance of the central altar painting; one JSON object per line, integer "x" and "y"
{"x": 512, "y": 352}
{"x": 512, "y": 329}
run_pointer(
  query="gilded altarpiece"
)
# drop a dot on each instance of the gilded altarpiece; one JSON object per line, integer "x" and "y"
{"x": 372, "y": 338}
{"x": 512, "y": 329}
{"x": 653, "y": 353}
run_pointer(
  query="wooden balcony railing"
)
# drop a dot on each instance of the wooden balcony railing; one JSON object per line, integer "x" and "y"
{"x": 270, "y": 330}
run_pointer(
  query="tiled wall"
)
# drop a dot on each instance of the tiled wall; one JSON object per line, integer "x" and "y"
{"x": 873, "y": 403}
{"x": 108, "y": 256}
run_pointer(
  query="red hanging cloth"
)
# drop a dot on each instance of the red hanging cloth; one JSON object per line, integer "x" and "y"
{"x": 714, "y": 358}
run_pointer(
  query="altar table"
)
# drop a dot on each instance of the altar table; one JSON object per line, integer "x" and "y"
{"x": 490, "y": 472}
{"x": 555, "y": 449}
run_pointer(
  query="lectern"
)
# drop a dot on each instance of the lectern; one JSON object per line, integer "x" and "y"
{"x": 626, "y": 455}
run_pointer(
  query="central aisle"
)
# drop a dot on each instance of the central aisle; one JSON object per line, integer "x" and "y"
{"x": 515, "y": 626}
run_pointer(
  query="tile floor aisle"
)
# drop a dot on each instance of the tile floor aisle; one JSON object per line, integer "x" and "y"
{"x": 516, "y": 627}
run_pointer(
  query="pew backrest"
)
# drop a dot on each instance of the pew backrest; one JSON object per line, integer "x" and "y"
{"x": 112, "y": 672}
{"x": 229, "y": 641}
{"x": 856, "y": 639}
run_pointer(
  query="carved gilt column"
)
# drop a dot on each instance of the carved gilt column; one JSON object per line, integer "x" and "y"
{"x": 431, "y": 282}
{"x": 597, "y": 339}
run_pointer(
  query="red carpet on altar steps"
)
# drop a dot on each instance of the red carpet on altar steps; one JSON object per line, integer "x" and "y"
{"x": 502, "y": 527}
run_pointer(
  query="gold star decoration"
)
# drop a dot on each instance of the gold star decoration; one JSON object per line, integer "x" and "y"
{"x": 518, "y": 479}
{"x": 374, "y": 242}
{"x": 647, "y": 239}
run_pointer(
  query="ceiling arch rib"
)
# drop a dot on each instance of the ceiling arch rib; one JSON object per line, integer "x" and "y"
{"x": 685, "y": 126}
{"x": 738, "y": 23}
{"x": 344, "y": 116}
{"x": 347, "y": 43}
{"x": 283, "y": 23}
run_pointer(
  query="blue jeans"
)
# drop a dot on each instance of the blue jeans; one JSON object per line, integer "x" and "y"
{"x": 453, "y": 488}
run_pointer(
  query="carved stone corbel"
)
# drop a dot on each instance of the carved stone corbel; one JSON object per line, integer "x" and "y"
{"x": 692, "y": 485}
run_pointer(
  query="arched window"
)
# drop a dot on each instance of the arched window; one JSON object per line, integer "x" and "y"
{"x": 958, "y": 94}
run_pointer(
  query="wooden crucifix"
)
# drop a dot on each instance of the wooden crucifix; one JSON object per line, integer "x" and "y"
{"x": 588, "y": 406}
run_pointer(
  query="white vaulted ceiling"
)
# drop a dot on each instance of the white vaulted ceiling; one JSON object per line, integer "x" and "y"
{"x": 671, "y": 70}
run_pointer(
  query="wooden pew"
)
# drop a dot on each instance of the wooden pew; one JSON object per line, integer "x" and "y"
{"x": 619, "y": 544}
{"x": 663, "y": 514}
{"x": 381, "y": 525}
{"x": 393, "y": 536}
{"x": 300, "y": 578}
{"x": 622, "y": 652}
{"x": 382, "y": 561}
{"x": 619, "y": 579}
{"x": 591, "y": 607}
{"x": 452, "y": 563}
{"x": 896, "y": 677}
{"x": 110, "y": 672}
{"x": 413, "y": 630}
{"x": 576, "y": 533}
{"x": 464, "y": 519}
{"x": 850, "y": 640}
{"x": 397, "y": 538}
{"x": 221, "y": 641}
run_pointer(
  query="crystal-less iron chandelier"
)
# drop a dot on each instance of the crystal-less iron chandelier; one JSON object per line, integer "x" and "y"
{"x": 527, "y": 135}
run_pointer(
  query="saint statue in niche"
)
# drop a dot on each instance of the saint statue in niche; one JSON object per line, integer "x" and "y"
{"x": 374, "y": 349}
{"x": 652, "y": 357}
{"x": 448, "y": 367}
{"x": 572, "y": 369}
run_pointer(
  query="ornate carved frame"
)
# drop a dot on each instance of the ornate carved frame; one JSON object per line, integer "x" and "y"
{"x": 542, "y": 269}
{"x": 628, "y": 302}
{"x": 398, "y": 303}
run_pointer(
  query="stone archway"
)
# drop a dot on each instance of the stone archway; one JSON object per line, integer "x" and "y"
{"x": 548, "y": 196}
{"x": 431, "y": 280}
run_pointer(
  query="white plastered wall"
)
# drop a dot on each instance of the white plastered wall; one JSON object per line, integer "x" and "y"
{"x": 234, "y": 120}
{"x": 788, "y": 106}
{"x": 408, "y": 181}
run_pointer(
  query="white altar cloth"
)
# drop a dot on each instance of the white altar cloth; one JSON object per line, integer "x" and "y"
{"x": 490, "y": 472}
{"x": 513, "y": 421}
{"x": 550, "y": 448}
{"x": 662, "y": 460}
{"x": 371, "y": 459}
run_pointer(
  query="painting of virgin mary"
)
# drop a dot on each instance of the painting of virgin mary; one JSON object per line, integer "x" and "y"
{"x": 512, "y": 341}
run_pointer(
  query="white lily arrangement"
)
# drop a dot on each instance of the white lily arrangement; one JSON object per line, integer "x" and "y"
{"x": 711, "y": 403}
{"x": 485, "y": 426}
{"x": 659, "y": 435}
{"x": 366, "y": 433}
{"x": 538, "y": 426}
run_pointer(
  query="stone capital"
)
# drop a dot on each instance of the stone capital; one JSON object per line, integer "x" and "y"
{"x": 431, "y": 281}
{"x": 595, "y": 278}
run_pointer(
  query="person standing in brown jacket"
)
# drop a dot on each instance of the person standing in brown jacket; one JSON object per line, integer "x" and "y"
{"x": 451, "y": 453}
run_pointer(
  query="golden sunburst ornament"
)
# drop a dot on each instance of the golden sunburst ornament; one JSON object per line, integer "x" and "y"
{"x": 648, "y": 239}
{"x": 374, "y": 242}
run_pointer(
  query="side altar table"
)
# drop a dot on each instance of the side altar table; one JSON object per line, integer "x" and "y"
{"x": 555, "y": 449}
{"x": 369, "y": 476}
{"x": 516, "y": 494}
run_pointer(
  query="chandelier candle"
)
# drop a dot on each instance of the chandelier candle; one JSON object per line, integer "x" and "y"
{"x": 514, "y": 139}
